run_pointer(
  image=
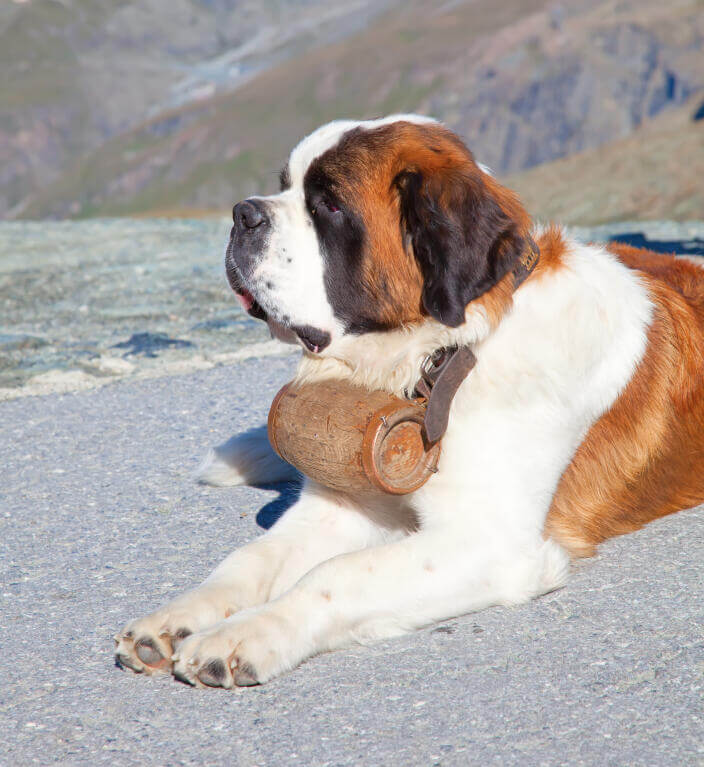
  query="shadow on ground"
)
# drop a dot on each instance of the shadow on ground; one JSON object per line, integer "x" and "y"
{"x": 289, "y": 492}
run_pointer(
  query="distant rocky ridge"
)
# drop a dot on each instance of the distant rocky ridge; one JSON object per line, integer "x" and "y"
{"x": 75, "y": 73}
{"x": 656, "y": 172}
{"x": 526, "y": 82}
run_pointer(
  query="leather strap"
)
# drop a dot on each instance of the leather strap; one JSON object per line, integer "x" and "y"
{"x": 441, "y": 376}
{"x": 443, "y": 371}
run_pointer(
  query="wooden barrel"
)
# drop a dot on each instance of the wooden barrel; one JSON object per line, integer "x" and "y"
{"x": 351, "y": 439}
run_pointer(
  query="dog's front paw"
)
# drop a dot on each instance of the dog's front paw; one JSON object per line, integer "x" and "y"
{"x": 249, "y": 648}
{"x": 146, "y": 645}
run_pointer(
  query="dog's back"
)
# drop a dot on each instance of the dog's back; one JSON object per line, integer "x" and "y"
{"x": 629, "y": 471}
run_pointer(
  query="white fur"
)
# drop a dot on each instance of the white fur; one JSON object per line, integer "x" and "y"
{"x": 288, "y": 279}
{"x": 338, "y": 569}
{"x": 325, "y": 137}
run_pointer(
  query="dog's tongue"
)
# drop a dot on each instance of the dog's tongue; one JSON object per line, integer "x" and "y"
{"x": 245, "y": 298}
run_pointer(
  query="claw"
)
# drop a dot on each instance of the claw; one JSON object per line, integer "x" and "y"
{"x": 127, "y": 662}
{"x": 182, "y": 676}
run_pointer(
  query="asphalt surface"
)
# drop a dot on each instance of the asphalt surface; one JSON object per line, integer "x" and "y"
{"x": 101, "y": 522}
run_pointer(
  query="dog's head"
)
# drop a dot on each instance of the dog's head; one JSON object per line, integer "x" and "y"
{"x": 378, "y": 225}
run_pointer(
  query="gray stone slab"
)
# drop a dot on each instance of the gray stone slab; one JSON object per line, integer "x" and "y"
{"x": 100, "y": 522}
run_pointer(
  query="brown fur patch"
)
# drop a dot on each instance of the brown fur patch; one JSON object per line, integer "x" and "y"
{"x": 552, "y": 246}
{"x": 645, "y": 457}
{"x": 363, "y": 168}
{"x": 499, "y": 299}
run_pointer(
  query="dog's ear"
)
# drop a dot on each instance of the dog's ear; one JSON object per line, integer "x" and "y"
{"x": 463, "y": 238}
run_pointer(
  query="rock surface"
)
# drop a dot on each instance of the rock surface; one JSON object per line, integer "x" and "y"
{"x": 655, "y": 172}
{"x": 100, "y": 522}
{"x": 85, "y": 303}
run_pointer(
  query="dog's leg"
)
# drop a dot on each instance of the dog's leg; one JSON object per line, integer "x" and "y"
{"x": 319, "y": 526}
{"x": 246, "y": 459}
{"x": 366, "y": 595}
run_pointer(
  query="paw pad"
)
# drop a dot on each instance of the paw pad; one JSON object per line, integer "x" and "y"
{"x": 213, "y": 673}
{"x": 148, "y": 652}
{"x": 245, "y": 675}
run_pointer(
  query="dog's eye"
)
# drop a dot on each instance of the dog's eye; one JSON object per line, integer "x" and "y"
{"x": 326, "y": 205}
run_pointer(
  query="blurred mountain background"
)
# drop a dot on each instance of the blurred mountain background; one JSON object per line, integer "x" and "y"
{"x": 593, "y": 110}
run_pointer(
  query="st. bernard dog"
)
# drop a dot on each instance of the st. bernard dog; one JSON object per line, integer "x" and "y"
{"x": 583, "y": 418}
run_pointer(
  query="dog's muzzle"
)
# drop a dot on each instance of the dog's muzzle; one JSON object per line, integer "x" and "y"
{"x": 251, "y": 226}
{"x": 248, "y": 240}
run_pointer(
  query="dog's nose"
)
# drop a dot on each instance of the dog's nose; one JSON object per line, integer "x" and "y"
{"x": 247, "y": 215}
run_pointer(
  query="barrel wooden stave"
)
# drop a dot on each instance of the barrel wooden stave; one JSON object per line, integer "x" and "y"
{"x": 343, "y": 437}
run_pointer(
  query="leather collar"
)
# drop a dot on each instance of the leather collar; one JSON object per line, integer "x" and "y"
{"x": 526, "y": 263}
{"x": 443, "y": 371}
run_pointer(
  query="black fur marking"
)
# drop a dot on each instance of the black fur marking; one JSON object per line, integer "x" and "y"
{"x": 313, "y": 339}
{"x": 463, "y": 248}
{"x": 342, "y": 239}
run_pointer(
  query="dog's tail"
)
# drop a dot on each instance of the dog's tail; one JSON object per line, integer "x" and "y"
{"x": 246, "y": 459}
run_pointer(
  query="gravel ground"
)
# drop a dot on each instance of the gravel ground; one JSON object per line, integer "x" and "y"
{"x": 100, "y": 522}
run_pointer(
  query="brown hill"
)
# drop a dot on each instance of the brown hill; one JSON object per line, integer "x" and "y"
{"x": 524, "y": 81}
{"x": 658, "y": 172}
{"x": 74, "y": 73}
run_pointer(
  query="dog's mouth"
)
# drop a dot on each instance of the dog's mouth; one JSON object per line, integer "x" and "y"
{"x": 247, "y": 301}
{"x": 245, "y": 298}
{"x": 313, "y": 339}
{"x": 250, "y": 304}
